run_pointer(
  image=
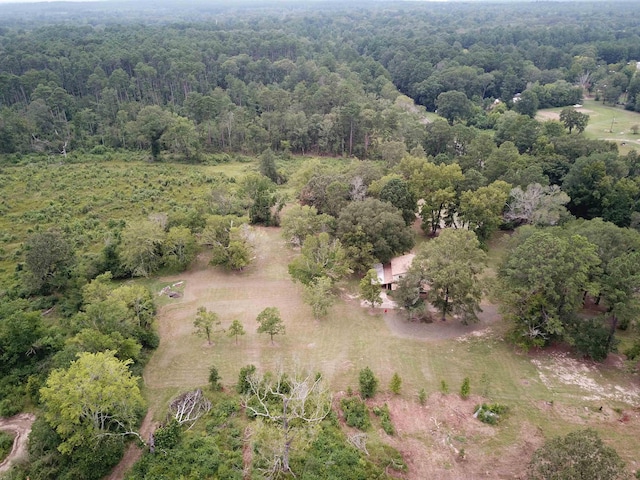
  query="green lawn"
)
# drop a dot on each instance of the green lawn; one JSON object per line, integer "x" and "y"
{"x": 609, "y": 123}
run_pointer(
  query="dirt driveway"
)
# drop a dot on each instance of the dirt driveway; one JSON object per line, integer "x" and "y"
{"x": 20, "y": 426}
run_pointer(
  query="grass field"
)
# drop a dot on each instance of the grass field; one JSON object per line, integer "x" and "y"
{"x": 606, "y": 123}
{"x": 548, "y": 394}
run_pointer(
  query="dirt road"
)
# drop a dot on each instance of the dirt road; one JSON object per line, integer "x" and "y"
{"x": 20, "y": 426}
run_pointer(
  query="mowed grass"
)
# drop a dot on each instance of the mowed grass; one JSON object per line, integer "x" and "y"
{"x": 608, "y": 123}
{"x": 352, "y": 337}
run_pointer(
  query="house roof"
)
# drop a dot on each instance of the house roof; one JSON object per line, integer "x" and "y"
{"x": 389, "y": 272}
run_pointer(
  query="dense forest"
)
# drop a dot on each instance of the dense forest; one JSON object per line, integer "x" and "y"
{"x": 110, "y": 116}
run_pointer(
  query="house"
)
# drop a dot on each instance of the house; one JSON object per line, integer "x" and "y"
{"x": 390, "y": 273}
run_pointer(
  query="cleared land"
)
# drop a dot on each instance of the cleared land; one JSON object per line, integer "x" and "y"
{"x": 549, "y": 393}
{"x": 605, "y": 123}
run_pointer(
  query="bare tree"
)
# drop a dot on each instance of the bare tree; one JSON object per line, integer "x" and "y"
{"x": 292, "y": 405}
{"x": 537, "y": 205}
{"x": 189, "y": 407}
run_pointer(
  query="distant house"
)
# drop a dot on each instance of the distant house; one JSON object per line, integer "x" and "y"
{"x": 390, "y": 273}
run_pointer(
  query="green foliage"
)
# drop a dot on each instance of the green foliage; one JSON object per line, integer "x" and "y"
{"x": 96, "y": 395}
{"x": 243, "y": 386}
{"x": 368, "y": 383}
{"x": 48, "y": 258}
{"x": 450, "y": 264}
{"x": 491, "y": 413}
{"x": 321, "y": 256}
{"x": 214, "y": 378}
{"x": 168, "y": 436}
{"x": 319, "y": 295}
{"x": 590, "y": 337}
{"x": 574, "y": 119}
{"x": 395, "y": 384}
{"x": 385, "y": 419}
{"x": 375, "y": 223}
{"x": 236, "y": 329}
{"x": 205, "y": 323}
{"x": 465, "y": 388}
{"x": 370, "y": 288}
{"x": 178, "y": 248}
{"x": 580, "y": 454}
{"x": 300, "y": 221}
{"x": 444, "y": 388}
{"x": 356, "y": 413}
{"x": 140, "y": 247}
{"x": 6, "y": 443}
{"x": 270, "y": 322}
{"x": 422, "y": 396}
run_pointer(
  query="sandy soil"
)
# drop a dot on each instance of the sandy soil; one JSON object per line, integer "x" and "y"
{"x": 20, "y": 426}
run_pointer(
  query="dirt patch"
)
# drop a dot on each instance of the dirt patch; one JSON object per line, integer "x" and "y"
{"x": 133, "y": 452}
{"x": 20, "y": 426}
{"x": 442, "y": 440}
{"x": 560, "y": 368}
{"x": 545, "y": 116}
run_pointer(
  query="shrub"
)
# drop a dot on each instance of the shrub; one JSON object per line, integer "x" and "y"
{"x": 6, "y": 442}
{"x": 368, "y": 383}
{"x": 465, "y": 388}
{"x": 356, "y": 413}
{"x": 214, "y": 379}
{"x": 490, "y": 413}
{"x": 385, "y": 418}
{"x": 243, "y": 385}
{"x": 168, "y": 436}
{"x": 396, "y": 383}
{"x": 422, "y": 396}
{"x": 444, "y": 388}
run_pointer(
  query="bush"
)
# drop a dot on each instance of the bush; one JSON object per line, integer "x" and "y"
{"x": 368, "y": 383}
{"x": 422, "y": 396}
{"x": 356, "y": 413}
{"x": 385, "y": 418}
{"x": 444, "y": 388}
{"x": 6, "y": 443}
{"x": 490, "y": 413}
{"x": 243, "y": 386}
{"x": 214, "y": 379}
{"x": 169, "y": 435}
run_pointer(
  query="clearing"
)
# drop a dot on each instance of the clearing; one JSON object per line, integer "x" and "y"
{"x": 548, "y": 394}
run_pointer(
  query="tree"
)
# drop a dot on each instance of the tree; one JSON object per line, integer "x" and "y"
{"x": 481, "y": 209}
{"x": 370, "y": 288}
{"x": 290, "y": 406}
{"x": 527, "y": 104}
{"x": 376, "y": 223}
{"x": 574, "y": 119}
{"x": 465, "y": 388}
{"x": 48, "y": 259}
{"x": 151, "y": 123}
{"x": 395, "y": 384}
{"x": 300, "y": 221}
{"x": 542, "y": 282}
{"x": 396, "y": 192}
{"x": 236, "y": 329}
{"x": 268, "y": 167}
{"x": 270, "y": 322}
{"x": 578, "y": 455}
{"x": 321, "y": 256}
{"x": 260, "y": 192}
{"x": 140, "y": 247}
{"x": 453, "y": 105}
{"x": 450, "y": 265}
{"x": 95, "y": 397}
{"x": 205, "y": 322}
{"x": 368, "y": 383}
{"x": 178, "y": 248}
{"x": 537, "y": 205}
{"x": 319, "y": 296}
